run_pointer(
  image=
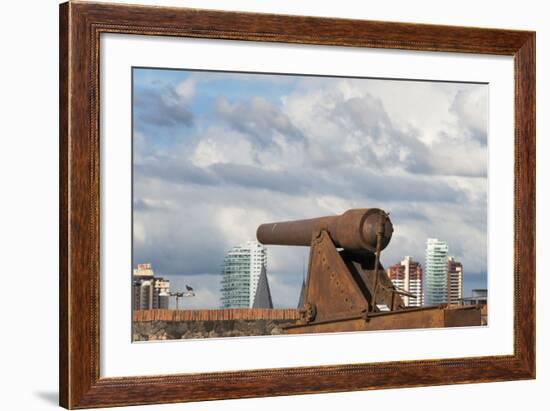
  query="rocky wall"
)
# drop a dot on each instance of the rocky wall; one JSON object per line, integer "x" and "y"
{"x": 175, "y": 330}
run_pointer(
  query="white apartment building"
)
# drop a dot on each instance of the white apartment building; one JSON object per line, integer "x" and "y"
{"x": 407, "y": 276}
{"x": 454, "y": 281}
{"x": 149, "y": 292}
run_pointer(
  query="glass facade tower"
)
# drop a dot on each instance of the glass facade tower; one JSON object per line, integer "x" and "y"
{"x": 435, "y": 283}
{"x": 242, "y": 267}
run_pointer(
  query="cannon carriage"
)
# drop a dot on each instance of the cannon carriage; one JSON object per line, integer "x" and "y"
{"x": 347, "y": 288}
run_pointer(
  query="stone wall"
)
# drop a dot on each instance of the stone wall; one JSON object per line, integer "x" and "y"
{"x": 171, "y": 330}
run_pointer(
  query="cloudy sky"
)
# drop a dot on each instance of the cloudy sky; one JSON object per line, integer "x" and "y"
{"x": 216, "y": 154}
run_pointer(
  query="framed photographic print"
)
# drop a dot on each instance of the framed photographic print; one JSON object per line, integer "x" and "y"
{"x": 236, "y": 184}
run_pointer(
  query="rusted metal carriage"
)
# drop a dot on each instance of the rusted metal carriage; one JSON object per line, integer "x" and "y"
{"x": 347, "y": 288}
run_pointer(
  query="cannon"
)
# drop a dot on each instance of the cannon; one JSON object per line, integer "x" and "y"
{"x": 347, "y": 288}
{"x": 355, "y": 230}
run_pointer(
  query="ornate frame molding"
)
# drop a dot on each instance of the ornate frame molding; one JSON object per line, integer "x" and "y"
{"x": 80, "y": 27}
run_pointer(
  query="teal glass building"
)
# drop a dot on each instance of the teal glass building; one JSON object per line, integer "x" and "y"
{"x": 242, "y": 267}
{"x": 435, "y": 281}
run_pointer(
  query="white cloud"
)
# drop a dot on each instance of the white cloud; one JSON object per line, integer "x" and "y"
{"x": 237, "y": 224}
{"x": 186, "y": 89}
{"x": 470, "y": 107}
{"x": 219, "y": 145}
{"x": 139, "y": 233}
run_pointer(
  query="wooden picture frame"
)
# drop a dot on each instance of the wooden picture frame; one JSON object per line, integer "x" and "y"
{"x": 80, "y": 27}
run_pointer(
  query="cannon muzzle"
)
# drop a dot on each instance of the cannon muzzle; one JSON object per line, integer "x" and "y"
{"x": 356, "y": 229}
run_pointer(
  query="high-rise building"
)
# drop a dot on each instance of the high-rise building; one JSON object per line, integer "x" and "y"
{"x": 143, "y": 297}
{"x": 454, "y": 281}
{"x": 144, "y": 271}
{"x": 242, "y": 267}
{"x": 149, "y": 292}
{"x": 435, "y": 279}
{"x": 407, "y": 276}
{"x": 161, "y": 293}
{"x": 164, "y": 300}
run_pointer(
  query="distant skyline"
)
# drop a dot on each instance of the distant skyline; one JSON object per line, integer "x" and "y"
{"x": 217, "y": 154}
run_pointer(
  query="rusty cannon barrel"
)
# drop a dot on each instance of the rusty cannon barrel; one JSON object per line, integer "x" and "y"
{"x": 356, "y": 229}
